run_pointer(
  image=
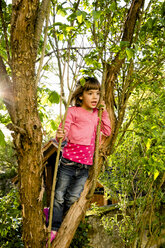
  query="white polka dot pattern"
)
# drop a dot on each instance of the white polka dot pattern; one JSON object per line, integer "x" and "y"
{"x": 80, "y": 153}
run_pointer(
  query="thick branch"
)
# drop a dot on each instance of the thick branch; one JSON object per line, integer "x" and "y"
{"x": 40, "y": 19}
{"x": 72, "y": 220}
{"x": 114, "y": 69}
{"x": 44, "y": 46}
{"x": 74, "y": 215}
{"x": 129, "y": 29}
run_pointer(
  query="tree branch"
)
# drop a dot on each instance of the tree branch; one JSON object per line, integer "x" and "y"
{"x": 44, "y": 46}
{"x": 39, "y": 22}
{"x": 114, "y": 68}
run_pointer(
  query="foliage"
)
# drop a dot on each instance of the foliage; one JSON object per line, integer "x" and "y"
{"x": 2, "y": 138}
{"x": 4, "y": 120}
{"x": 8, "y": 167}
{"x": 10, "y": 222}
{"x": 48, "y": 100}
{"x": 81, "y": 237}
{"x": 7, "y": 17}
{"x": 83, "y": 37}
{"x": 135, "y": 174}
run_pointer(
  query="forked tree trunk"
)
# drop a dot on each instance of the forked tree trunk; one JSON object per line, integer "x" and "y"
{"x": 21, "y": 102}
{"x": 77, "y": 211}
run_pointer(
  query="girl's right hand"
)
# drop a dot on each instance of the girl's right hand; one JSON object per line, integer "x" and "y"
{"x": 60, "y": 133}
{"x": 102, "y": 105}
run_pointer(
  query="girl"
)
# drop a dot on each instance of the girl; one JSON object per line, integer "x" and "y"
{"x": 77, "y": 156}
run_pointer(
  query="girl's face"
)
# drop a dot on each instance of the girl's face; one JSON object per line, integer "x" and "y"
{"x": 90, "y": 99}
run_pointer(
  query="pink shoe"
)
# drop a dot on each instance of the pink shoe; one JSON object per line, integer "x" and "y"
{"x": 52, "y": 238}
{"x": 46, "y": 213}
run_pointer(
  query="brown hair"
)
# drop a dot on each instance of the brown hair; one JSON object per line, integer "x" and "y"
{"x": 84, "y": 84}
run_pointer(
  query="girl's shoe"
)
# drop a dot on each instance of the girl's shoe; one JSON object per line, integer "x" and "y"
{"x": 46, "y": 213}
{"x": 52, "y": 237}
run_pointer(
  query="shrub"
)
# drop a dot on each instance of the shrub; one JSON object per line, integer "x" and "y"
{"x": 10, "y": 221}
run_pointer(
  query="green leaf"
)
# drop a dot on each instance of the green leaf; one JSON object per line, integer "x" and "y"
{"x": 96, "y": 15}
{"x": 156, "y": 174}
{"x": 150, "y": 23}
{"x": 148, "y": 144}
{"x": 80, "y": 18}
{"x": 2, "y": 139}
{"x": 61, "y": 12}
{"x": 113, "y": 6}
{"x": 54, "y": 125}
{"x": 54, "y": 97}
{"x": 88, "y": 24}
{"x": 129, "y": 53}
{"x": 82, "y": 81}
{"x": 68, "y": 29}
{"x": 61, "y": 36}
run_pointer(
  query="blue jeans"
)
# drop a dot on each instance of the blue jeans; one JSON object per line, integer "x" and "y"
{"x": 70, "y": 183}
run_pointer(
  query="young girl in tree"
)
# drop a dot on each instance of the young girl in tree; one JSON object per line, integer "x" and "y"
{"x": 77, "y": 156}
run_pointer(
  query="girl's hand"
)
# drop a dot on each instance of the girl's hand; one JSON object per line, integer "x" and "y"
{"x": 102, "y": 105}
{"x": 60, "y": 133}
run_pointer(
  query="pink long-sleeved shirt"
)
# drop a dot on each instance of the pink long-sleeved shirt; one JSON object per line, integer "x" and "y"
{"x": 80, "y": 125}
{"x": 80, "y": 128}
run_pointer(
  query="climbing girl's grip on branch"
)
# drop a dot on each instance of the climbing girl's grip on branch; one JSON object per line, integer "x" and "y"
{"x": 77, "y": 156}
{"x": 102, "y": 105}
{"x": 60, "y": 134}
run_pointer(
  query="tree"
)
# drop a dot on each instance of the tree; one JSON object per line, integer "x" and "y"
{"x": 77, "y": 211}
{"x": 121, "y": 38}
{"x": 18, "y": 83}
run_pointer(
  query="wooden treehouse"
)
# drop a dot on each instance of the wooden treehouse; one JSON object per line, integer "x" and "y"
{"x": 49, "y": 157}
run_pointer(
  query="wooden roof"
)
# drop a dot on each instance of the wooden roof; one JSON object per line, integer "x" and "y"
{"x": 48, "y": 149}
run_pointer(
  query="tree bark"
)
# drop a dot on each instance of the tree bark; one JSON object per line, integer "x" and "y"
{"x": 20, "y": 97}
{"x": 28, "y": 144}
{"x": 77, "y": 211}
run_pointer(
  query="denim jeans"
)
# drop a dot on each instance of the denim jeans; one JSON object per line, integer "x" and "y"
{"x": 70, "y": 183}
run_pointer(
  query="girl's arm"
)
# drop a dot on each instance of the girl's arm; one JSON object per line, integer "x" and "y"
{"x": 105, "y": 121}
{"x": 64, "y": 133}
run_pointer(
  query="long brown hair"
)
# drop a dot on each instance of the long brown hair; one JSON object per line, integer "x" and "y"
{"x": 84, "y": 84}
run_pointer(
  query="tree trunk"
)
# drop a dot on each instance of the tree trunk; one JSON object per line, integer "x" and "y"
{"x": 28, "y": 136}
{"x": 20, "y": 97}
{"x": 77, "y": 211}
